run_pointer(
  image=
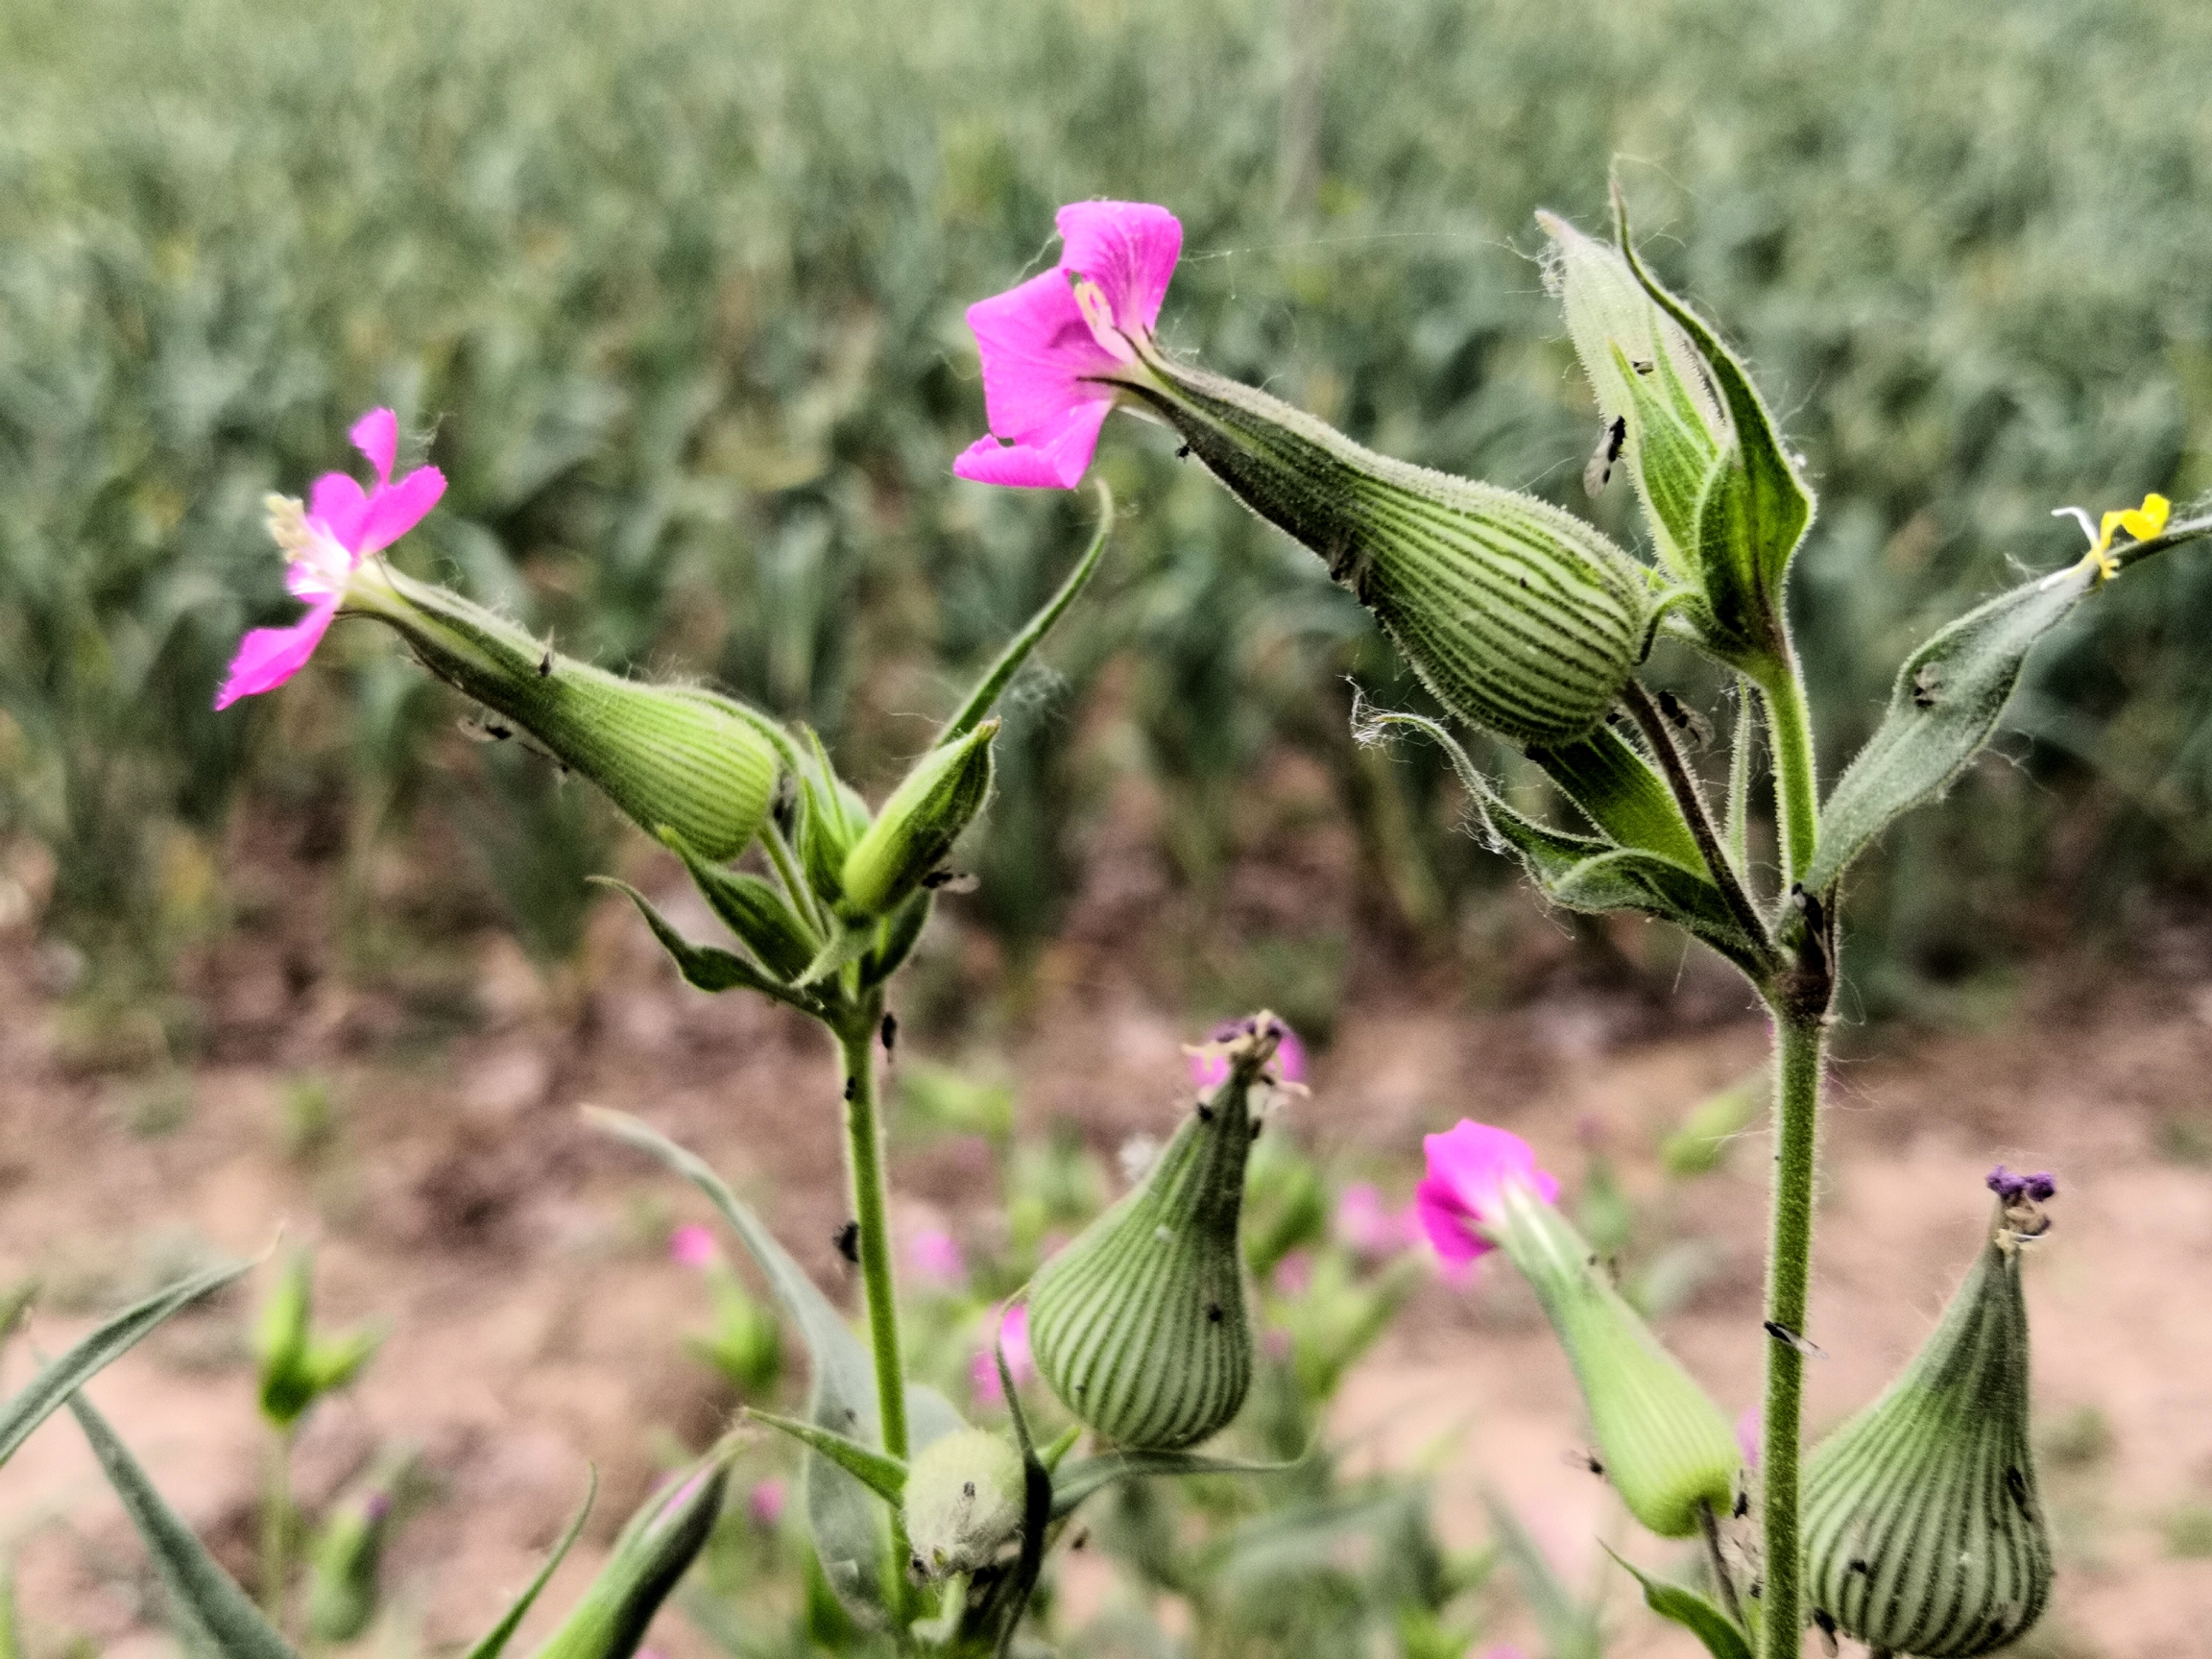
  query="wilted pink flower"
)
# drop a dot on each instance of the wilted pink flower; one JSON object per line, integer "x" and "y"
{"x": 764, "y": 1504}
{"x": 1366, "y": 1226}
{"x": 1750, "y": 1433}
{"x": 1292, "y": 1275}
{"x": 935, "y": 1257}
{"x": 692, "y": 1246}
{"x": 1013, "y": 1325}
{"x": 1055, "y": 347}
{"x": 1470, "y": 1168}
{"x": 341, "y": 526}
{"x": 1209, "y": 1068}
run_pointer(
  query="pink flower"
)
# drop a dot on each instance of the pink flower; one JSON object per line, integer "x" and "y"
{"x": 1470, "y": 1168}
{"x": 1209, "y": 1068}
{"x": 1366, "y": 1226}
{"x": 764, "y": 1504}
{"x": 1014, "y": 1337}
{"x": 935, "y": 1256}
{"x": 1293, "y": 1275}
{"x": 1750, "y": 1432}
{"x": 1055, "y": 347}
{"x": 341, "y": 526}
{"x": 692, "y": 1246}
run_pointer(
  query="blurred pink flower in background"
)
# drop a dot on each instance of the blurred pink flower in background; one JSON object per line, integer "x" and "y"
{"x": 1275, "y": 1342}
{"x": 1750, "y": 1432}
{"x": 764, "y": 1504}
{"x": 935, "y": 1257}
{"x": 1013, "y": 1330}
{"x": 1471, "y": 1166}
{"x": 692, "y": 1246}
{"x": 1368, "y": 1227}
{"x": 1292, "y": 1275}
{"x": 1210, "y": 1069}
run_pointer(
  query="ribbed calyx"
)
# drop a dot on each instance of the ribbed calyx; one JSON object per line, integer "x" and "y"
{"x": 670, "y": 757}
{"x": 964, "y": 1502}
{"x": 1520, "y": 617}
{"x": 1665, "y": 1444}
{"x": 917, "y": 827}
{"x": 1140, "y": 1325}
{"x": 1924, "y": 1533}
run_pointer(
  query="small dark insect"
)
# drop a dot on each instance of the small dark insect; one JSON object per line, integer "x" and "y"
{"x": 1182, "y": 451}
{"x": 1079, "y": 1540}
{"x": 967, "y": 1488}
{"x": 890, "y": 1034}
{"x": 1782, "y": 1333}
{"x": 1827, "y": 1627}
{"x": 1686, "y": 720}
{"x": 1205, "y": 1112}
{"x": 1642, "y": 365}
{"x": 545, "y": 664}
{"x": 1743, "y": 1507}
{"x": 852, "y": 1086}
{"x": 1860, "y": 1564}
{"x": 849, "y": 1243}
{"x": 2016, "y": 1483}
{"x": 1927, "y": 683}
{"x": 1214, "y": 1315}
{"x": 484, "y": 728}
{"x": 950, "y": 882}
{"x": 1600, "y": 472}
{"x": 1589, "y": 1460}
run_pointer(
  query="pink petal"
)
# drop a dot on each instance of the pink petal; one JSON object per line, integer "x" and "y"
{"x": 1052, "y": 457}
{"x": 395, "y": 511}
{"x": 692, "y": 1246}
{"x": 268, "y": 657}
{"x": 1036, "y": 349}
{"x": 376, "y": 435}
{"x": 338, "y": 501}
{"x": 1129, "y": 248}
{"x": 1469, "y": 1165}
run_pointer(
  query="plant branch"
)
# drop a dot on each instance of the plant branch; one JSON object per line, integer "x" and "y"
{"x": 1797, "y": 784}
{"x": 1710, "y": 1526}
{"x": 1800, "y": 1043}
{"x": 276, "y": 1525}
{"x": 1691, "y": 800}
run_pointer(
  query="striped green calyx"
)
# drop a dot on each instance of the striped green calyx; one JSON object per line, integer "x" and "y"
{"x": 964, "y": 1503}
{"x": 1666, "y": 1447}
{"x": 1924, "y": 1533}
{"x": 652, "y": 1553}
{"x": 670, "y": 757}
{"x": 1520, "y": 617}
{"x": 1140, "y": 1325}
{"x": 912, "y": 835}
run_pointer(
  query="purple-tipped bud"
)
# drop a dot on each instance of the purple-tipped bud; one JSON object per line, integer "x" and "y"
{"x": 2007, "y": 1185}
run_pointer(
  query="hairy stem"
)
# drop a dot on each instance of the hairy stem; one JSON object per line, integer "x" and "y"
{"x": 1797, "y": 784}
{"x": 1691, "y": 800}
{"x": 1800, "y": 1043}
{"x": 871, "y": 1211}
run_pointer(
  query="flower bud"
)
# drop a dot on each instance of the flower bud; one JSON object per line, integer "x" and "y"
{"x": 1140, "y": 1325}
{"x": 1665, "y": 1444}
{"x": 1520, "y": 617}
{"x": 670, "y": 757}
{"x": 918, "y": 824}
{"x": 964, "y": 1503}
{"x": 652, "y": 1553}
{"x": 348, "y": 1554}
{"x": 1924, "y": 1533}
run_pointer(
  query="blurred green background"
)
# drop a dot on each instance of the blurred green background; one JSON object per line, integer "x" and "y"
{"x": 675, "y": 288}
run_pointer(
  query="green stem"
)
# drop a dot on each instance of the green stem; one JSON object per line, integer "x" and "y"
{"x": 1796, "y": 787}
{"x": 1800, "y": 1043}
{"x": 276, "y": 1525}
{"x": 864, "y": 1161}
{"x": 795, "y": 887}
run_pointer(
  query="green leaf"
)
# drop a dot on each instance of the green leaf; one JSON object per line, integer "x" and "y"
{"x": 897, "y": 935}
{"x": 109, "y": 1342}
{"x": 1078, "y": 1480}
{"x": 849, "y": 1522}
{"x": 1686, "y": 1608}
{"x": 879, "y": 1470}
{"x": 1569, "y": 1623}
{"x": 1009, "y": 663}
{"x": 497, "y": 1637}
{"x": 213, "y": 1617}
{"x": 752, "y": 909}
{"x": 707, "y": 967}
{"x": 1621, "y": 794}
{"x": 1944, "y": 710}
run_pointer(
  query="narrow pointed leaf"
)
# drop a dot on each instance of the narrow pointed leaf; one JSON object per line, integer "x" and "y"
{"x": 1621, "y": 794}
{"x": 213, "y": 1617}
{"x": 1009, "y": 663}
{"x": 754, "y": 910}
{"x": 496, "y": 1639}
{"x": 879, "y": 1470}
{"x": 705, "y": 966}
{"x": 1720, "y": 1633}
{"x": 109, "y": 1342}
{"x": 1079, "y": 1479}
{"x": 1944, "y": 710}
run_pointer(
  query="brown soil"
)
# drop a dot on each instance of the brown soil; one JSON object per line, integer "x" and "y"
{"x": 532, "y": 1325}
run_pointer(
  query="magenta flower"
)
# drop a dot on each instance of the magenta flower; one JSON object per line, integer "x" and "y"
{"x": 764, "y": 1504}
{"x": 1210, "y": 1066}
{"x": 1014, "y": 1337}
{"x": 935, "y": 1256}
{"x": 1750, "y": 1434}
{"x": 1293, "y": 1275}
{"x": 692, "y": 1246}
{"x": 1055, "y": 348}
{"x": 340, "y": 525}
{"x": 1471, "y": 1166}
{"x": 1369, "y": 1228}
